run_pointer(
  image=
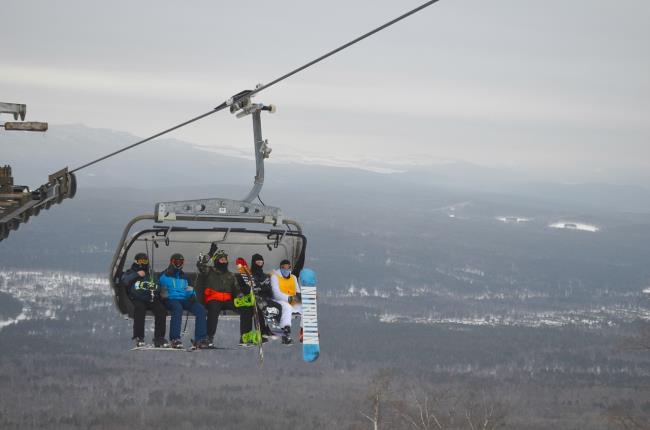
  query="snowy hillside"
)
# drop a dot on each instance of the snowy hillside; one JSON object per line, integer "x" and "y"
{"x": 44, "y": 294}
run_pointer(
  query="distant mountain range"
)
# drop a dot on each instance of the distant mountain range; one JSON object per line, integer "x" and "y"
{"x": 178, "y": 164}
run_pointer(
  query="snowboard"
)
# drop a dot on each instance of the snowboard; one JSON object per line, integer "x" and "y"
{"x": 310, "y": 336}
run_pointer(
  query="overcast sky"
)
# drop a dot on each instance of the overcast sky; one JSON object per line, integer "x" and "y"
{"x": 560, "y": 87}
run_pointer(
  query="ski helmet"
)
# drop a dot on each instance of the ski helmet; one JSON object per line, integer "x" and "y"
{"x": 177, "y": 260}
{"x": 140, "y": 256}
{"x": 219, "y": 254}
{"x": 141, "y": 261}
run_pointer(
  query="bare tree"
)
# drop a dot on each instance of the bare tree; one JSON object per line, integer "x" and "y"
{"x": 627, "y": 419}
{"x": 420, "y": 412}
{"x": 641, "y": 342}
{"x": 484, "y": 413}
{"x": 446, "y": 410}
{"x": 379, "y": 394}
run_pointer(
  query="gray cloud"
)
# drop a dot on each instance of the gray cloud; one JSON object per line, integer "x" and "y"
{"x": 558, "y": 87}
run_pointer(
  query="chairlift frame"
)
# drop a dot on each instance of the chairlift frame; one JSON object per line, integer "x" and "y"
{"x": 219, "y": 214}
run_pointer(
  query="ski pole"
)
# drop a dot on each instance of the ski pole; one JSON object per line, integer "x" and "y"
{"x": 187, "y": 317}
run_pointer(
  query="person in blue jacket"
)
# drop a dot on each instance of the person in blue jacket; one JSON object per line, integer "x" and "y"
{"x": 180, "y": 295}
{"x": 144, "y": 292}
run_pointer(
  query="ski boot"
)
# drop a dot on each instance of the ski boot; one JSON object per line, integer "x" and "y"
{"x": 139, "y": 342}
{"x": 160, "y": 342}
{"x": 269, "y": 334}
{"x": 286, "y": 336}
{"x": 201, "y": 344}
{"x": 247, "y": 343}
{"x": 176, "y": 344}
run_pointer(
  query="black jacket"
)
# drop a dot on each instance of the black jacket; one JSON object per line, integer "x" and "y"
{"x": 140, "y": 288}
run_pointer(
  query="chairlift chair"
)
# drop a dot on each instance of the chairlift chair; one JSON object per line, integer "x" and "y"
{"x": 239, "y": 227}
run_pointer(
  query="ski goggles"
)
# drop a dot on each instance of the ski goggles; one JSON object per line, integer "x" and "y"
{"x": 142, "y": 261}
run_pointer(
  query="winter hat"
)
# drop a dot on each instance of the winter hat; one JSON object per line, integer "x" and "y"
{"x": 140, "y": 256}
{"x": 256, "y": 257}
{"x": 219, "y": 254}
{"x": 241, "y": 262}
{"x": 285, "y": 261}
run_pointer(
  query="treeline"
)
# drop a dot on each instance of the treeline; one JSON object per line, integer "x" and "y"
{"x": 80, "y": 369}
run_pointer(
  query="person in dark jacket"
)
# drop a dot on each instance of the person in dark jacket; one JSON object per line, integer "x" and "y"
{"x": 145, "y": 294}
{"x": 220, "y": 287}
{"x": 267, "y": 307}
{"x": 180, "y": 295}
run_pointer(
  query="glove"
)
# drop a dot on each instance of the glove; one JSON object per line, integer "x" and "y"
{"x": 145, "y": 285}
{"x": 202, "y": 263}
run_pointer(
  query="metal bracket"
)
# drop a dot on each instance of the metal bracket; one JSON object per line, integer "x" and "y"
{"x": 16, "y": 109}
{"x": 231, "y": 210}
{"x": 17, "y": 207}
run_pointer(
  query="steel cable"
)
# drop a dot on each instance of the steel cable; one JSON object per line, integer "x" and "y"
{"x": 246, "y": 94}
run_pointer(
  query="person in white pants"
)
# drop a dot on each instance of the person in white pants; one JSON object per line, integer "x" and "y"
{"x": 286, "y": 291}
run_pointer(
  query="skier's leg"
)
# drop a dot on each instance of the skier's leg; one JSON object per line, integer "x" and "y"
{"x": 176, "y": 309}
{"x": 285, "y": 318}
{"x": 297, "y": 308}
{"x": 245, "y": 320}
{"x": 199, "y": 321}
{"x": 214, "y": 309}
{"x": 139, "y": 311}
{"x": 277, "y": 306}
{"x": 160, "y": 318}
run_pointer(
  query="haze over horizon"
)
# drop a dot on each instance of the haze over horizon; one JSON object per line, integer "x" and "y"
{"x": 558, "y": 90}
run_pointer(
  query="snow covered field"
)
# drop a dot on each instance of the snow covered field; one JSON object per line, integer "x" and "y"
{"x": 513, "y": 219}
{"x": 570, "y": 225}
{"x": 45, "y": 294}
{"x": 588, "y": 318}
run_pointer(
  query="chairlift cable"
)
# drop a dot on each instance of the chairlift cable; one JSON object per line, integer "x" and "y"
{"x": 248, "y": 94}
{"x": 342, "y": 47}
{"x": 215, "y": 110}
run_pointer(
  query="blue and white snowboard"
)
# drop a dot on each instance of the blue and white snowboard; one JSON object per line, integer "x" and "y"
{"x": 310, "y": 336}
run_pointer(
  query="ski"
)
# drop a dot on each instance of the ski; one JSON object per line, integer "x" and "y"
{"x": 255, "y": 336}
{"x": 153, "y": 348}
{"x": 310, "y": 335}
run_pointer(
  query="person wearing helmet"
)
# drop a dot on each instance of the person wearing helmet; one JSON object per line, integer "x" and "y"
{"x": 180, "y": 295}
{"x": 286, "y": 291}
{"x": 268, "y": 308}
{"x": 144, "y": 292}
{"x": 220, "y": 287}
